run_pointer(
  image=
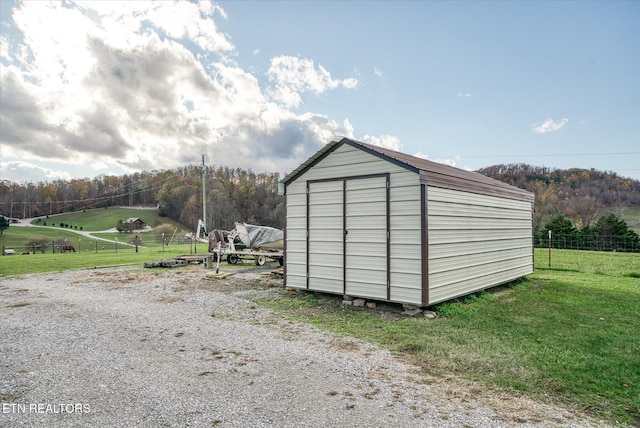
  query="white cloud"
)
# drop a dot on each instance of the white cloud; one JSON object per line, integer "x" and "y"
{"x": 4, "y": 47}
{"x": 14, "y": 170}
{"x": 387, "y": 141}
{"x": 350, "y": 83}
{"x": 178, "y": 20}
{"x": 548, "y": 126}
{"x": 131, "y": 86}
{"x": 292, "y": 76}
{"x": 463, "y": 94}
{"x": 377, "y": 71}
{"x": 450, "y": 162}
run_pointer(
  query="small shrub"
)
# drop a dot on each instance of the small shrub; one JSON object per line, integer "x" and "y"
{"x": 38, "y": 243}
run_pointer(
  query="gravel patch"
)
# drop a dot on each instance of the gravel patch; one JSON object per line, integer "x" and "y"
{"x": 133, "y": 347}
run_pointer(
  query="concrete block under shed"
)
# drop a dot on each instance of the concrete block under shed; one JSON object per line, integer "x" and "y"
{"x": 429, "y": 314}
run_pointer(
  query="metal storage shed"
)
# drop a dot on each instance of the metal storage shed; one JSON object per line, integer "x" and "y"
{"x": 374, "y": 223}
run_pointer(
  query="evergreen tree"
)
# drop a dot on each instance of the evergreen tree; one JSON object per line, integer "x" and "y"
{"x": 4, "y": 224}
{"x": 613, "y": 234}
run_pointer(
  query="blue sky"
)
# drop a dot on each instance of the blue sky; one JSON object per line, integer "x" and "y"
{"x": 106, "y": 88}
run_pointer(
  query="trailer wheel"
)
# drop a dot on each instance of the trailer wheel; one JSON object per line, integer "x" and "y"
{"x": 233, "y": 259}
{"x": 261, "y": 260}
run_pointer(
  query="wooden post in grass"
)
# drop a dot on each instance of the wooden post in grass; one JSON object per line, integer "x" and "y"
{"x": 549, "y": 249}
{"x": 219, "y": 256}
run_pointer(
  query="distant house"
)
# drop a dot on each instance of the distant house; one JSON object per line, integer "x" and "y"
{"x": 139, "y": 224}
{"x": 10, "y": 219}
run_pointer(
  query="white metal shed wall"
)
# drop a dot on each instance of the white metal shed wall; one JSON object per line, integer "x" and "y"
{"x": 325, "y": 221}
{"x": 475, "y": 242}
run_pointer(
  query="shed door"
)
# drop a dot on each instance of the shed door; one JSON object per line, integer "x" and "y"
{"x": 366, "y": 249}
{"x": 325, "y": 231}
{"x": 347, "y": 236}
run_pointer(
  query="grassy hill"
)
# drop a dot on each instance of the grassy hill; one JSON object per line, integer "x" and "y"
{"x": 103, "y": 218}
{"x": 631, "y": 215}
{"x": 95, "y": 220}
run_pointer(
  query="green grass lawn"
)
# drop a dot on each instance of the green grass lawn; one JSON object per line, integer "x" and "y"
{"x": 562, "y": 336}
{"x": 593, "y": 262}
{"x": 17, "y": 237}
{"x": 18, "y": 264}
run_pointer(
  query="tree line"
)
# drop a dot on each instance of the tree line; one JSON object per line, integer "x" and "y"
{"x": 238, "y": 195}
{"x": 232, "y": 195}
{"x": 580, "y": 195}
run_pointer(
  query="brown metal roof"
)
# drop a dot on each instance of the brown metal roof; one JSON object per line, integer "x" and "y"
{"x": 431, "y": 173}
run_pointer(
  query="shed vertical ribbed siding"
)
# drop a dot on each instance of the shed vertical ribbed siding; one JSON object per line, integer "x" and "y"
{"x": 365, "y": 238}
{"x": 325, "y": 180}
{"x": 405, "y": 239}
{"x": 296, "y": 235}
{"x": 325, "y": 228}
{"x": 475, "y": 242}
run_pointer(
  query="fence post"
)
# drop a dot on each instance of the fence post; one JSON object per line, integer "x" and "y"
{"x": 549, "y": 248}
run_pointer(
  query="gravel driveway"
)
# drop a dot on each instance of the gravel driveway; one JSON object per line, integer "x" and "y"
{"x": 137, "y": 347}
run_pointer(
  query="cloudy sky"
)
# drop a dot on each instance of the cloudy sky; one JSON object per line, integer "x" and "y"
{"x": 106, "y": 87}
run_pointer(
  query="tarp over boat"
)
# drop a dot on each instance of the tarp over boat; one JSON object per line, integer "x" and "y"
{"x": 259, "y": 236}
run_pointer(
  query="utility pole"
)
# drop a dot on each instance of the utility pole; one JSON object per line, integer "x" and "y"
{"x": 204, "y": 199}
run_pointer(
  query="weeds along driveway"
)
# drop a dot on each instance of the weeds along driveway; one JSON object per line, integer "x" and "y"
{"x": 149, "y": 348}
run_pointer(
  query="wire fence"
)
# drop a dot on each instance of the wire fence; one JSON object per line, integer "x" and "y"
{"x": 87, "y": 245}
{"x": 627, "y": 244}
{"x": 81, "y": 246}
{"x": 558, "y": 241}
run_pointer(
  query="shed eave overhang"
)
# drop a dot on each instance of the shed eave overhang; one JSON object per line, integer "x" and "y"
{"x": 332, "y": 146}
{"x": 431, "y": 173}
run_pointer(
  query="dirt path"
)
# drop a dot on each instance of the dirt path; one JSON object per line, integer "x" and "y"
{"x": 150, "y": 348}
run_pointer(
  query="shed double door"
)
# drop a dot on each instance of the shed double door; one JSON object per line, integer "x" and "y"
{"x": 348, "y": 236}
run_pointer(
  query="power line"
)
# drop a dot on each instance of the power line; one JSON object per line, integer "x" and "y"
{"x": 552, "y": 154}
